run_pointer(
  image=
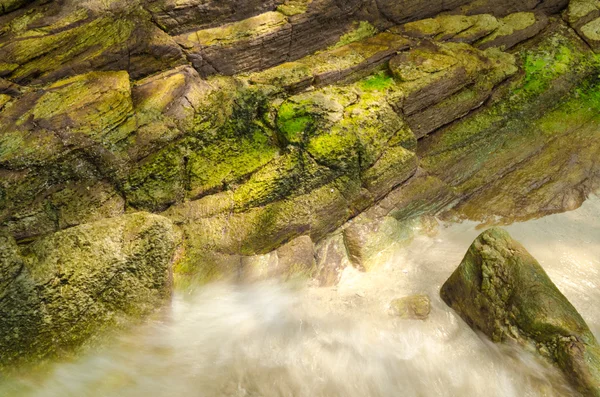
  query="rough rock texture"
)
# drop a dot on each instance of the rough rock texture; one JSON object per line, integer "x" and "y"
{"x": 501, "y": 290}
{"x": 63, "y": 289}
{"x": 244, "y": 164}
{"x": 256, "y": 124}
{"x": 414, "y": 307}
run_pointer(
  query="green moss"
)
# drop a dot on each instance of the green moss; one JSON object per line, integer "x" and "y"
{"x": 212, "y": 167}
{"x": 301, "y": 116}
{"x": 379, "y": 81}
{"x": 294, "y": 7}
{"x": 158, "y": 181}
{"x": 237, "y": 31}
{"x": 541, "y": 68}
{"x": 421, "y": 63}
{"x": 549, "y": 68}
{"x": 93, "y": 104}
{"x": 7, "y": 6}
{"x": 337, "y": 148}
{"x": 77, "y": 283}
{"x": 39, "y": 55}
{"x": 4, "y": 99}
{"x": 394, "y": 166}
{"x": 293, "y": 121}
{"x": 363, "y": 30}
{"x": 287, "y": 74}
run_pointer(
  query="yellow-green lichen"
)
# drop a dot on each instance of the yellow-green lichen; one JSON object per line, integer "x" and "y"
{"x": 234, "y": 32}
{"x": 362, "y": 30}
{"x": 591, "y": 30}
{"x": 294, "y": 7}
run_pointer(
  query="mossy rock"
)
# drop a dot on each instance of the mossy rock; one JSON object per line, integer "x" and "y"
{"x": 7, "y": 6}
{"x": 501, "y": 290}
{"x": 513, "y": 29}
{"x": 517, "y": 128}
{"x": 68, "y": 287}
{"x": 414, "y": 307}
{"x": 229, "y": 34}
{"x": 73, "y": 113}
{"x": 69, "y": 44}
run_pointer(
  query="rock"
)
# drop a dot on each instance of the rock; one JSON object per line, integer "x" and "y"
{"x": 493, "y": 128}
{"x": 236, "y": 47}
{"x": 296, "y": 258}
{"x": 367, "y": 237}
{"x": 460, "y": 28}
{"x": 332, "y": 258}
{"x": 415, "y": 9}
{"x": 70, "y": 286}
{"x": 501, "y": 8}
{"x": 445, "y": 82}
{"x": 176, "y": 16}
{"x": 501, "y": 290}
{"x": 513, "y": 29}
{"x": 414, "y": 307}
{"x": 81, "y": 40}
{"x": 343, "y": 63}
{"x": 584, "y": 17}
{"x": 108, "y": 107}
{"x": 7, "y": 6}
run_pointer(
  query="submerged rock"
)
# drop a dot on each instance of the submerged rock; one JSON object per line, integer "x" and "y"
{"x": 65, "y": 288}
{"x": 414, "y": 307}
{"x": 501, "y": 290}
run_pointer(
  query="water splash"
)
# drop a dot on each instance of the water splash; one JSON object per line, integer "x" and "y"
{"x": 269, "y": 339}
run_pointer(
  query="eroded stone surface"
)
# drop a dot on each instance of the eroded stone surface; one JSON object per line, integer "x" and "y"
{"x": 474, "y": 109}
{"x": 68, "y": 287}
{"x": 501, "y": 290}
{"x": 414, "y": 307}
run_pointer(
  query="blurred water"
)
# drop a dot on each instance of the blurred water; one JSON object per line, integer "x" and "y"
{"x": 269, "y": 339}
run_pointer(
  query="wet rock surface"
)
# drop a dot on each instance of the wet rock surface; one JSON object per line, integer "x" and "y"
{"x": 64, "y": 289}
{"x": 501, "y": 290}
{"x": 234, "y": 122}
{"x": 415, "y": 307}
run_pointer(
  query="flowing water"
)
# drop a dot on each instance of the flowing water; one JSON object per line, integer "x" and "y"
{"x": 269, "y": 339}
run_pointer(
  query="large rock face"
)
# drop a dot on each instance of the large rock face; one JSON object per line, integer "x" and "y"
{"x": 229, "y": 118}
{"x": 61, "y": 290}
{"x": 501, "y": 290}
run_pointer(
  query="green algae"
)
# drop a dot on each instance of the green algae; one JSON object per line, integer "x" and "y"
{"x": 541, "y": 69}
{"x": 558, "y": 55}
{"x": 379, "y": 81}
{"x": 42, "y": 55}
{"x": 70, "y": 287}
{"x": 361, "y": 31}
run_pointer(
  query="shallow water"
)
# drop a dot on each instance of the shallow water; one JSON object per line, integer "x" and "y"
{"x": 269, "y": 339}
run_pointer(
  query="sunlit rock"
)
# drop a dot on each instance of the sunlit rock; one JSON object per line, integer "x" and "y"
{"x": 63, "y": 289}
{"x": 501, "y": 290}
{"x": 414, "y": 307}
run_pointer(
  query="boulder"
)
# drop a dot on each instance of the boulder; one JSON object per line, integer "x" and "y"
{"x": 414, "y": 307}
{"x": 502, "y": 291}
{"x": 64, "y": 289}
{"x": 332, "y": 258}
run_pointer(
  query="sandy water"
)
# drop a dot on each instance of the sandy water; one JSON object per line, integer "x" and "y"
{"x": 269, "y": 339}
